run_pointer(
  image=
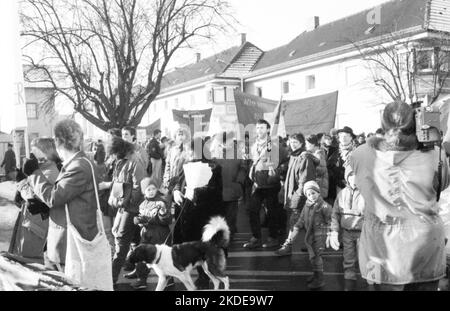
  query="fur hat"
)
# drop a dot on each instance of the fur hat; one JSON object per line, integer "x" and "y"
{"x": 311, "y": 185}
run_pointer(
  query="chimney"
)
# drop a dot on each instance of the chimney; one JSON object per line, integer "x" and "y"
{"x": 198, "y": 57}
{"x": 243, "y": 38}
{"x": 312, "y": 23}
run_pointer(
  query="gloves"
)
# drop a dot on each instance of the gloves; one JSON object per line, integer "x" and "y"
{"x": 35, "y": 207}
{"x": 333, "y": 240}
{"x": 30, "y": 166}
{"x": 178, "y": 197}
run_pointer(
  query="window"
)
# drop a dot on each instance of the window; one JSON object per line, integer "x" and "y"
{"x": 177, "y": 105}
{"x": 310, "y": 82}
{"x": 285, "y": 87}
{"x": 32, "y": 111}
{"x": 424, "y": 60}
{"x": 444, "y": 61}
{"x": 259, "y": 92}
{"x": 210, "y": 96}
{"x": 166, "y": 105}
{"x": 219, "y": 95}
{"x": 230, "y": 94}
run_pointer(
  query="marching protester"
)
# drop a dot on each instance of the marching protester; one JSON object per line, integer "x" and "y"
{"x": 234, "y": 174}
{"x": 198, "y": 205}
{"x": 347, "y": 217}
{"x": 41, "y": 232}
{"x": 9, "y": 162}
{"x": 265, "y": 175}
{"x": 155, "y": 151}
{"x": 402, "y": 244}
{"x": 74, "y": 194}
{"x": 301, "y": 169}
{"x": 125, "y": 197}
{"x": 312, "y": 145}
{"x": 315, "y": 219}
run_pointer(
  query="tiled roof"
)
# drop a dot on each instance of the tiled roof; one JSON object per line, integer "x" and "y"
{"x": 395, "y": 15}
{"x": 206, "y": 67}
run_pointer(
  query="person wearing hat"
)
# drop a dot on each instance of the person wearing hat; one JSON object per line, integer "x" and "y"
{"x": 402, "y": 244}
{"x": 347, "y": 215}
{"x": 315, "y": 218}
{"x": 9, "y": 162}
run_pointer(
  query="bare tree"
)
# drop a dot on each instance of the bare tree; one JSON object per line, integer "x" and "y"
{"x": 408, "y": 69}
{"x": 108, "y": 57}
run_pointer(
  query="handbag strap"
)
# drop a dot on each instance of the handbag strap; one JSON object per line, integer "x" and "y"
{"x": 100, "y": 225}
{"x": 100, "y": 221}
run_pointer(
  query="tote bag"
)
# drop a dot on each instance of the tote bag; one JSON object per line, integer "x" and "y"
{"x": 88, "y": 263}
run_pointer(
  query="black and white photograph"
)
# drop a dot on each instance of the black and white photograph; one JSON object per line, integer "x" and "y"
{"x": 246, "y": 147}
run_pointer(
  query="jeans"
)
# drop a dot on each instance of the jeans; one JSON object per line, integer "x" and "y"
{"x": 350, "y": 240}
{"x": 123, "y": 230}
{"x": 108, "y": 222}
{"x": 317, "y": 243}
{"x": 274, "y": 212}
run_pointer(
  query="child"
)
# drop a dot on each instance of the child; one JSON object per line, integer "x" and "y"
{"x": 315, "y": 218}
{"x": 154, "y": 218}
{"x": 348, "y": 215}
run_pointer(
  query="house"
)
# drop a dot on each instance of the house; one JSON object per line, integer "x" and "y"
{"x": 322, "y": 59}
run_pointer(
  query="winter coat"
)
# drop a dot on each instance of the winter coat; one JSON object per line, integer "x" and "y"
{"x": 9, "y": 162}
{"x": 154, "y": 150}
{"x": 301, "y": 170}
{"x": 140, "y": 154}
{"x": 403, "y": 238}
{"x": 156, "y": 218}
{"x": 131, "y": 172}
{"x": 322, "y": 172}
{"x": 262, "y": 158}
{"x": 176, "y": 158}
{"x": 234, "y": 173}
{"x": 34, "y": 229}
{"x": 348, "y": 210}
{"x": 74, "y": 187}
{"x": 207, "y": 202}
{"x": 315, "y": 218}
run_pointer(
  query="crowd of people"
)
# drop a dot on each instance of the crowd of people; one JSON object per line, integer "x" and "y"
{"x": 373, "y": 196}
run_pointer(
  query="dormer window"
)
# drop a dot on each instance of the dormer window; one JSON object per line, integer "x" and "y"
{"x": 370, "y": 30}
{"x": 292, "y": 53}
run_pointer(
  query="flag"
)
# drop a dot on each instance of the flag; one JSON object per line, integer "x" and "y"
{"x": 12, "y": 106}
{"x": 277, "y": 114}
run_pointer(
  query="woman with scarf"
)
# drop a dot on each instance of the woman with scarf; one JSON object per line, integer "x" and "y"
{"x": 301, "y": 169}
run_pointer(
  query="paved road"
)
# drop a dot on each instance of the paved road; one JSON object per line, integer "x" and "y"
{"x": 262, "y": 270}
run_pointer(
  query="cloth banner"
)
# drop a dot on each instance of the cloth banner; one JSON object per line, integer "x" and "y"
{"x": 189, "y": 118}
{"x": 252, "y": 108}
{"x": 311, "y": 115}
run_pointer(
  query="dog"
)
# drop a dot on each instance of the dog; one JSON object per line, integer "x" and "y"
{"x": 179, "y": 260}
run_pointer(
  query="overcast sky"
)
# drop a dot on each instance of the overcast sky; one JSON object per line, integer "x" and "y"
{"x": 272, "y": 23}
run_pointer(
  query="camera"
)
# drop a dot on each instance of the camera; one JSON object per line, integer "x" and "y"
{"x": 428, "y": 126}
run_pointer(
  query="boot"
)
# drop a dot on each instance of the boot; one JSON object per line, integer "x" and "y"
{"x": 349, "y": 285}
{"x": 131, "y": 275}
{"x": 285, "y": 250}
{"x": 318, "y": 281}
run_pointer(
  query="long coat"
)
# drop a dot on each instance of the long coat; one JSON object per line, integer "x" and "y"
{"x": 403, "y": 238}
{"x": 207, "y": 202}
{"x": 9, "y": 161}
{"x": 301, "y": 170}
{"x": 74, "y": 187}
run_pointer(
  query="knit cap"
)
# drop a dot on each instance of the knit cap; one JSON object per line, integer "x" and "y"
{"x": 146, "y": 182}
{"x": 311, "y": 185}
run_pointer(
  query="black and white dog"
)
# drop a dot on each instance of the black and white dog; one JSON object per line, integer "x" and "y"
{"x": 179, "y": 260}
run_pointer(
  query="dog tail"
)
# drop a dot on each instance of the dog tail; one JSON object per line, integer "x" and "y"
{"x": 217, "y": 232}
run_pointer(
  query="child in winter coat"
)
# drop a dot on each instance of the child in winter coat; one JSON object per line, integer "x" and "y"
{"x": 348, "y": 215}
{"x": 154, "y": 218}
{"x": 315, "y": 218}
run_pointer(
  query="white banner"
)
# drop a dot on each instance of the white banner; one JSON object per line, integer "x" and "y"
{"x": 13, "y": 114}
